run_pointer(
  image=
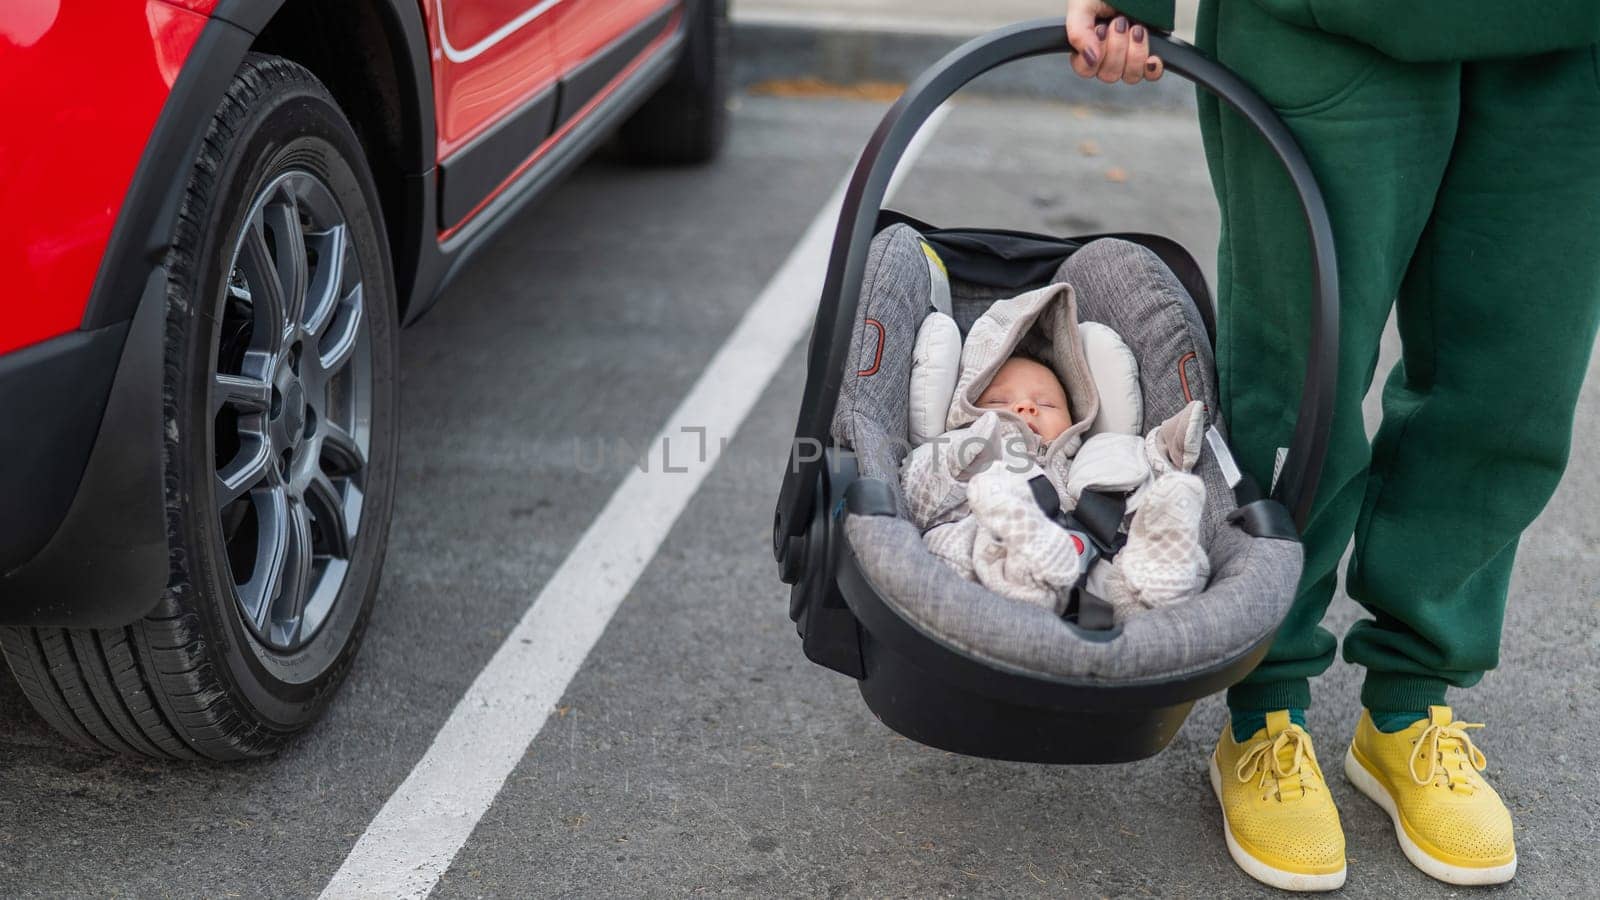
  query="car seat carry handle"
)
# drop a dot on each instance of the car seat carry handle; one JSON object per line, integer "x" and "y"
{"x": 831, "y": 334}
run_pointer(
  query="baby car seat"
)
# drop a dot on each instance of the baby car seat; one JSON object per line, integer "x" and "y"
{"x": 940, "y": 659}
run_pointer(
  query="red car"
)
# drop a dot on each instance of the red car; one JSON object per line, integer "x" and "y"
{"x": 220, "y": 213}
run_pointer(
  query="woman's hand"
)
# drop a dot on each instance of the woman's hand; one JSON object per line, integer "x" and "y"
{"x": 1113, "y": 50}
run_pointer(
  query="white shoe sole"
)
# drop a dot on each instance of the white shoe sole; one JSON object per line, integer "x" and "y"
{"x": 1366, "y": 783}
{"x": 1260, "y": 871}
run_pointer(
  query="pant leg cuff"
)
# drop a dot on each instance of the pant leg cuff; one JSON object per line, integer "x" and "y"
{"x": 1392, "y": 692}
{"x": 1293, "y": 693}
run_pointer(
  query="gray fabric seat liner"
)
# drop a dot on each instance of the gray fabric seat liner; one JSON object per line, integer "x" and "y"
{"x": 1127, "y": 288}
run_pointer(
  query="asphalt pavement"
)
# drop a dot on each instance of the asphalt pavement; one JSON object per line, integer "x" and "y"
{"x": 696, "y": 751}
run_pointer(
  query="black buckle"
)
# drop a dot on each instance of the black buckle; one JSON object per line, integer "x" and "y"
{"x": 1089, "y": 611}
{"x": 1101, "y": 516}
{"x": 1102, "y": 524}
{"x": 1265, "y": 519}
{"x": 870, "y": 497}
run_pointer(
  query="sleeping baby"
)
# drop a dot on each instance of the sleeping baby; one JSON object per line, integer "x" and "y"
{"x": 1025, "y": 404}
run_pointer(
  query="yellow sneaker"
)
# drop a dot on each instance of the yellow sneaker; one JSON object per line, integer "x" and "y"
{"x": 1277, "y": 815}
{"x": 1450, "y": 822}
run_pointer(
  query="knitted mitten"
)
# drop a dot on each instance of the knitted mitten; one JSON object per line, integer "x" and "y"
{"x": 1163, "y": 561}
{"x": 1018, "y": 552}
{"x": 1174, "y": 445}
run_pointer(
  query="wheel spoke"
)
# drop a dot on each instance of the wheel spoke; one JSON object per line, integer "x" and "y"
{"x": 332, "y": 522}
{"x": 322, "y": 298}
{"x": 339, "y": 344}
{"x": 266, "y": 287}
{"x": 284, "y": 221}
{"x": 272, "y": 554}
{"x": 287, "y": 609}
{"x": 245, "y": 471}
{"x": 341, "y": 455}
{"x": 243, "y": 393}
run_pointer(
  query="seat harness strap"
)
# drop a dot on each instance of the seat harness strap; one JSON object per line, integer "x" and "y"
{"x": 1098, "y": 517}
{"x": 1096, "y": 523}
{"x": 1101, "y": 515}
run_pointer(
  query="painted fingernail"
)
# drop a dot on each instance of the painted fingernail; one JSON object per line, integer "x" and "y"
{"x": 1091, "y": 57}
{"x": 1150, "y": 66}
{"x": 1100, "y": 31}
{"x": 1138, "y": 34}
{"x": 1122, "y": 24}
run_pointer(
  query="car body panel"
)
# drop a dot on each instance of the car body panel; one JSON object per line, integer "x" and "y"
{"x": 585, "y": 28}
{"x": 557, "y": 113}
{"x": 69, "y": 149}
{"x": 203, "y": 7}
{"x": 490, "y": 57}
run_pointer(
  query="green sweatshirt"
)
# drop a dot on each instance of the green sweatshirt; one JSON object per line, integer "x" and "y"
{"x": 1425, "y": 30}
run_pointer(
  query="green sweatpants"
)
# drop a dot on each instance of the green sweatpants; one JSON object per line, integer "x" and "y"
{"x": 1469, "y": 193}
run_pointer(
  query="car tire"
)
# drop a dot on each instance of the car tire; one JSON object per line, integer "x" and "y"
{"x": 205, "y": 674}
{"x": 686, "y": 120}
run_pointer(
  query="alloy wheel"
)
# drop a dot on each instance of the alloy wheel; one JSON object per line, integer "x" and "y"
{"x": 291, "y": 407}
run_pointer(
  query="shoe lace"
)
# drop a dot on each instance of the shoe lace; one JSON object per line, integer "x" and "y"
{"x": 1447, "y": 750}
{"x": 1279, "y": 765}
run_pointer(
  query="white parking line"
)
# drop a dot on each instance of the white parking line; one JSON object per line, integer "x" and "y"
{"x": 409, "y": 845}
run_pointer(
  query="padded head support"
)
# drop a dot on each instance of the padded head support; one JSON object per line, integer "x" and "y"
{"x": 935, "y": 365}
{"x": 1116, "y": 375}
{"x": 936, "y": 356}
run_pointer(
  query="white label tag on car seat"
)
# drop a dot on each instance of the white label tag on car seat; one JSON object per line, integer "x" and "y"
{"x": 1277, "y": 468}
{"x": 1224, "y": 455}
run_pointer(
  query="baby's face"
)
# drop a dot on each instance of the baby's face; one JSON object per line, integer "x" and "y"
{"x": 1032, "y": 391}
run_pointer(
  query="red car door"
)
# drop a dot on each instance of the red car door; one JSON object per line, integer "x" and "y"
{"x": 587, "y": 28}
{"x": 495, "y": 75}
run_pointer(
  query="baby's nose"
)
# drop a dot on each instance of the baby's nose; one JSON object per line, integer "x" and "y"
{"x": 1024, "y": 408}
